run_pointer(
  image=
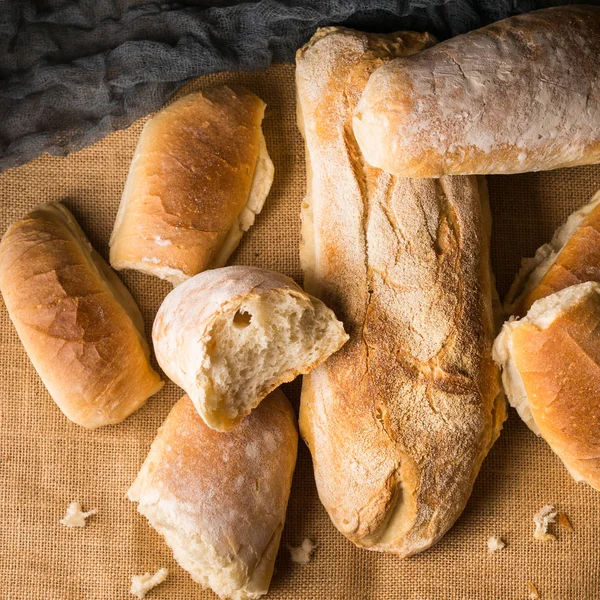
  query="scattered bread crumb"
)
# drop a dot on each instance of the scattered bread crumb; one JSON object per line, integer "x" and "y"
{"x": 563, "y": 521}
{"x": 302, "y": 554}
{"x": 75, "y": 517}
{"x": 142, "y": 584}
{"x": 495, "y": 543}
{"x": 542, "y": 519}
{"x": 533, "y": 593}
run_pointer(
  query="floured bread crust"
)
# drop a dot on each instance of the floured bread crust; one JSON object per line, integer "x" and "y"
{"x": 79, "y": 324}
{"x": 399, "y": 420}
{"x": 571, "y": 257}
{"x": 200, "y": 174}
{"x": 551, "y": 373}
{"x": 516, "y": 96}
{"x": 219, "y": 499}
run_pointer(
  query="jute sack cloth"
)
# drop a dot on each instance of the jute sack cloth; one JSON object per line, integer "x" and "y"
{"x": 46, "y": 462}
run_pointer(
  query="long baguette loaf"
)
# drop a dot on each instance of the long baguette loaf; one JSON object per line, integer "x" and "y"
{"x": 78, "y": 323}
{"x": 399, "y": 420}
{"x": 520, "y": 95}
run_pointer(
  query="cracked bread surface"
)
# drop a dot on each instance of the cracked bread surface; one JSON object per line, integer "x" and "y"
{"x": 400, "y": 419}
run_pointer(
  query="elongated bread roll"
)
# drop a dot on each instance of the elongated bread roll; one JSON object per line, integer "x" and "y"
{"x": 80, "y": 326}
{"x": 400, "y": 419}
{"x": 551, "y": 372}
{"x": 230, "y": 336}
{"x": 520, "y": 95}
{"x": 571, "y": 257}
{"x": 200, "y": 174}
{"x": 219, "y": 499}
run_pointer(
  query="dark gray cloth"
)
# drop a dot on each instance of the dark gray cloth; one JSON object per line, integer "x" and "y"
{"x": 71, "y": 72}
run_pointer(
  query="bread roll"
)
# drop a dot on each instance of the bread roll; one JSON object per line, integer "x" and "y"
{"x": 230, "y": 336}
{"x": 551, "y": 372}
{"x": 219, "y": 499}
{"x": 80, "y": 326}
{"x": 520, "y": 95}
{"x": 200, "y": 174}
{"x": 571, "y": 257}
{"x": 400, "y": 419}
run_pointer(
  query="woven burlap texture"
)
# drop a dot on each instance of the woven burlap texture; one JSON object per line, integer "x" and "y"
{"x": 46, "y": 462}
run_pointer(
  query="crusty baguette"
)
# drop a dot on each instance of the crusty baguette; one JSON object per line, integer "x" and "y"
{"x": 79, "y": 324}
{"x": 200, "y": 174}
{"x": 520, "y": 95}
{"x": 571, "y": 257}
{"x": 230, "y": 336}
{"x": 551, "y": 372}
{"x": 400, "y": 419}
{"x": 219, "y": 499}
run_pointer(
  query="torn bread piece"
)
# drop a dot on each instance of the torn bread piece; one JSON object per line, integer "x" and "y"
{"x": 230, "y": 336}
{"x": 542, "y": 519}
{"x": 200, "y": 174}
{"x": 550, "y": 363}
{"x": 571, "y": 257}
{"x": 142, "y": 584}
{"x": 75, "y": 517}
{"x": 494, "y": 544}
{"x": 219, "y": 499}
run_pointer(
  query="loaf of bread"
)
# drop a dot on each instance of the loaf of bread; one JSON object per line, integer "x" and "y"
{"x": 219, "y": 499}
{"x": 551, "y": 372}
{"x": 571, "y": 257}
{"x": 230, "y": 336}
{"x": 200, "y": 174}
{"x": 80, "y": 326}
{"x": 520, "y": 95}
{"x": 400, "y": 419}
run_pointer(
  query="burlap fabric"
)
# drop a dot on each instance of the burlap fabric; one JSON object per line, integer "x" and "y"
{"x": 46, "y": 462}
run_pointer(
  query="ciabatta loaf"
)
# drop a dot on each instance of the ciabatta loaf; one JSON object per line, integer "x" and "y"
{"x": 400, "y": 419}
{"x": 79, "y": 324}
{"x": 519, "y": 95}
{"x": 571, "y": 257}
{"x": 200, "y": 174}
{"x": 551, "y": 371}
{"x": 230, "y": 336}
{"x": 219, "y": 499}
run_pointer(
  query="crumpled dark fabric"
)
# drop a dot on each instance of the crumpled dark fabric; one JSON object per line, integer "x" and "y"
{"x": 72, "y": 71}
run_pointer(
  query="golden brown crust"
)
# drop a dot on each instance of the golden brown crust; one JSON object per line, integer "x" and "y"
{"x": 189, "y": 181}
{"x": 577, "y": 261}
{"x": 519, "y": 95}
{"x": 560, "y": 369}
{"x": 220, "y": 498}
{"x": 400, "y": 419}
{"x": 78, "y": 323}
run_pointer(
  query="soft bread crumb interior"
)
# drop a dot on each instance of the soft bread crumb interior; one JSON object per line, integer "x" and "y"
{"x": 258, "y": 344}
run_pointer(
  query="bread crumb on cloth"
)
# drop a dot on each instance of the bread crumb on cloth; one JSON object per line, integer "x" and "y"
{"x": 542, "y": 519}
{"x": 533, "y": 592}
{"x": 75, "y": 517}
{"x": 495, "y": 543}
{"x": 302, "y": 553}
{"x": 142, "y": 584}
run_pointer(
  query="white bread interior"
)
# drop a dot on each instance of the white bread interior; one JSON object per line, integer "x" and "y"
{"x": 533, "y": 269}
